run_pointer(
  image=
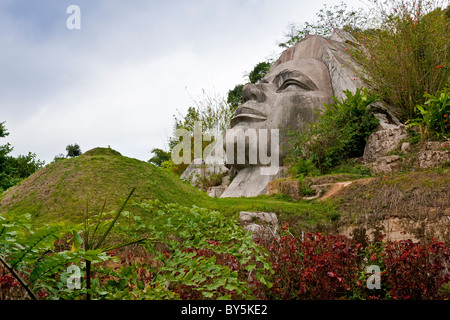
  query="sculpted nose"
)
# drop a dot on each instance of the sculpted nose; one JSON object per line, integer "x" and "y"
{"x": 253, "y": 92}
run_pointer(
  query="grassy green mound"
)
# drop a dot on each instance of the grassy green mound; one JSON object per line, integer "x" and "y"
{"x": 65, "y": 190}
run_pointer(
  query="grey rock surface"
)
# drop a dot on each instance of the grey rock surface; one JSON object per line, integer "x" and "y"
{"x": 381, "y": 142}
{"x": 386, "y": 164}
{"x": 249, "y": 182}
{"x": 406, "y": 147}
{"x": 302, "y": 80}
{"x": 263, "y": 225}
{"x": 305, "y": 77}
{"x": 432, "y": 158}
{"x": 216, "y": 192}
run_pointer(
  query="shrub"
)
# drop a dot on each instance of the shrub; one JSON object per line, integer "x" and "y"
{"x": 415, "y": 271}
{"x": 200, "y": 255}
{"x": 334, "y": 267}
{"x": 434, "y": 116}
{"x": 318, "y": 267}
{"x": 407, "y": 55}
{"x": 339, "y": 134}
{"x": 327, "y": 20}
{"x": 32, "y": 258}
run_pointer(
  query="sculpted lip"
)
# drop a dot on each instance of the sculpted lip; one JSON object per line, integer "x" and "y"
{"x": 249, "y": 114}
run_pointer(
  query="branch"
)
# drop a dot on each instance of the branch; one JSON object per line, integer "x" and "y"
{"x": 22, "y": 283}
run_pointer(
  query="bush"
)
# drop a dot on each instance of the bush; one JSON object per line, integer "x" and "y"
{"x": 334, "y": 267}
{"x": 416, "y": 271}
{"x": 327, "y": 20}
{"x": 339, "y": 134}
{"x": 434, "y": 118}
{"x": 318, "y": 267}
{"x": 407, "y": 55}
{"x": 73, "y": 150}
{"x": 199, "y": 254}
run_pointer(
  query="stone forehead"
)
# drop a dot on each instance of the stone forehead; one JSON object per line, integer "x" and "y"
{"x": 315, "y": 69}
{"x": 312, "y": 46}
{"x": 306, "y": 57}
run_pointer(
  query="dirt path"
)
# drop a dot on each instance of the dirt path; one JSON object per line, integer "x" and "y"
{"x": 338, "y": 186}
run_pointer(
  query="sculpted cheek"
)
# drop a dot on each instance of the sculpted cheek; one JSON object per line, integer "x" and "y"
{"x": 299, "y": 110}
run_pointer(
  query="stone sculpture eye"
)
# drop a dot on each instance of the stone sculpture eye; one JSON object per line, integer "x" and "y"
{"x": 293, "y": 85}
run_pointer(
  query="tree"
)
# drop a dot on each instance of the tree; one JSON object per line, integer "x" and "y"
{"x": 59, "y": 157}
{"x": 407, "y": 55}
{"x": 328, "y": 19}
{"x": 159, "y": 157}
{"x": 4, "y": 151}
{"x": 73, "y": 150}
{"x": 235, "y": 97}
{"x": 259, "y": 71}
{"x": 13, "y": 170}
{"x": 3, "y": 131}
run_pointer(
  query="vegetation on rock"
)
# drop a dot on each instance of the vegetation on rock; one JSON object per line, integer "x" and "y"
{"x": 339, "y": 134}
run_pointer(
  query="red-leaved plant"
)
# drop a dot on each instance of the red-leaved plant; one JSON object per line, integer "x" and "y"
{"x": 322, "y": 267}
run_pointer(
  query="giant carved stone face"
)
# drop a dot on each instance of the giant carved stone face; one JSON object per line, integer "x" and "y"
{"x": 296, "y": 85}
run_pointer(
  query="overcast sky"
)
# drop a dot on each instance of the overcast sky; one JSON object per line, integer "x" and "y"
{"x": 119, "y": 79}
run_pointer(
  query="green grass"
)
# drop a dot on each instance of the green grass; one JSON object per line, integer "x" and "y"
{"x": 301, "y": 215}
{"x": 65, "y": 190}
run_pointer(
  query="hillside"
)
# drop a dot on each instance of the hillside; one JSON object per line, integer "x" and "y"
{"x": 64, "y": 189}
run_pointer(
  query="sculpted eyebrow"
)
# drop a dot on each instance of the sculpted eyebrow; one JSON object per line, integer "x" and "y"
{"x": 295, "y": 75}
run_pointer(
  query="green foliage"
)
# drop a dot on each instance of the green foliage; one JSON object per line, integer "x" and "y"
{"x": 328, "y": 19}
{"x": 434, "y": 115}
{"x": 97, "y": 244}
{"x": 351, "y": 166}
{"x": 339, "y": 134}
{"x": 304, "y": 167}
{"x": 210, "y": 180}
{"x": 3, "y": 131}
{"x": 59, "y": 157}
{"x": 408, "y": 54}
{"x": 24, "y": 166}
{"x": 13, "y": 170}
{"x": 159, "y": 157}
{"x": 307, "y": 191}
{"x": 176, "y": 169}
{"x": 235, "y": 97}
{"x": 259, "y": 71}
{"x": 102, "y": 225}
{"x": 211, "y": 109}
{"x": 32, "y": 256}
{"x": 73, "y": 150}
{"x": 187, "y": 121}
{"x": 213, "y": 112}
{"x": 206, "y": 254}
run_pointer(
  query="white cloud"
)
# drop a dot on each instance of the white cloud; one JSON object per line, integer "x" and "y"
{"x": 119, "y": 79}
